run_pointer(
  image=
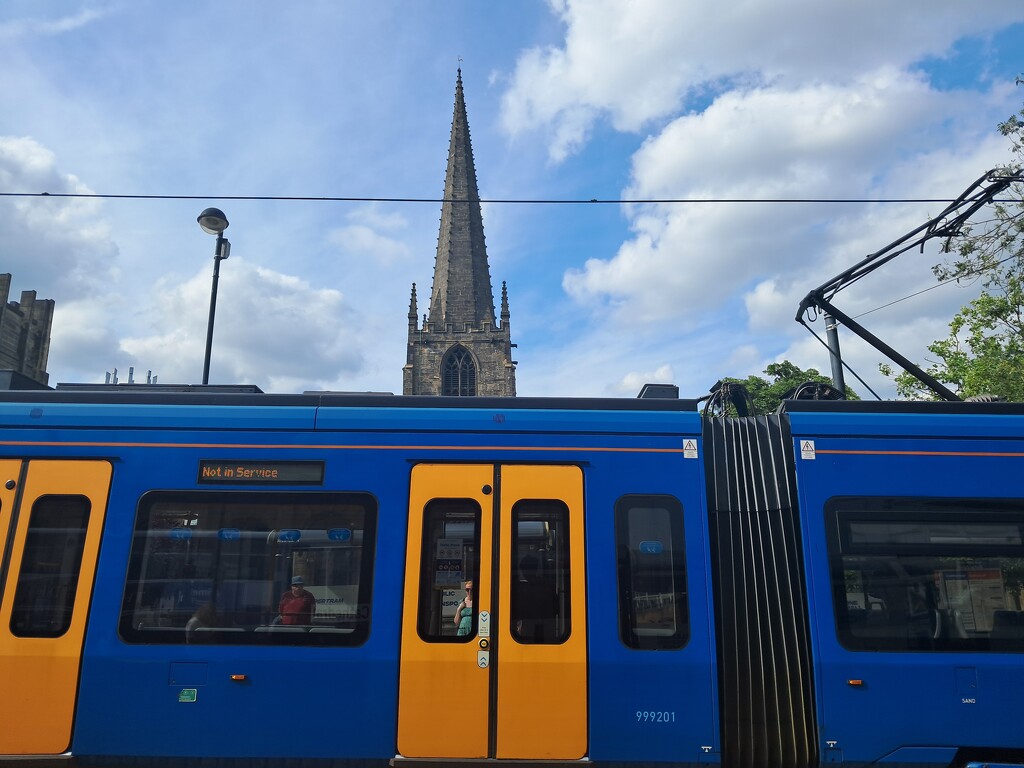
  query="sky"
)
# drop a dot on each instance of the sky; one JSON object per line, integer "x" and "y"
{"x": 195, "y": 104}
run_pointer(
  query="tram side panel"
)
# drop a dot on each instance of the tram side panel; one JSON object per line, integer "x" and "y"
{"x": 652, "y": 684}
{"x": 185, "y": 653}
{"x": 190, "y": 655}
{"x": 914, "y": 540}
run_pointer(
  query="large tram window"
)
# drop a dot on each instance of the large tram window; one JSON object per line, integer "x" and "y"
{"x": 450, "y": 559}
{"x": 653, "y": 610}
{"x": 928, "y": 574}
{"x": 540, "y": 610}
{"x": 218, "y": 568}
{"x": 45, "y": 595}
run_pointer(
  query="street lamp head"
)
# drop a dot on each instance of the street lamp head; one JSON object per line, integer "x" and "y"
{"x": 213, "y": 221}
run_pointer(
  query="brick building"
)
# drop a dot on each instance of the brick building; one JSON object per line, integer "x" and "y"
{"x": 24, "y": 338}
{"x": 460, "y": 349}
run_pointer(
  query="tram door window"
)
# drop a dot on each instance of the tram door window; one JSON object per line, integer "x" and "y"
{"x": 928, "y": 575}
{"x": 51, "y": 521}
{"x": 540, "y": 609}
{"x": 45, "y": 595}
{"x": 511, "y": 681}
{"x": 653, "y": 612}
{"x": 450, "y": 562}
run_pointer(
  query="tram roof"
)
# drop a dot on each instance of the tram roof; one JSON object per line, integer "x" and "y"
{"x": 927, "y": 407}
{"x": 207, "y": 408}
{"x": 231, "y": 395}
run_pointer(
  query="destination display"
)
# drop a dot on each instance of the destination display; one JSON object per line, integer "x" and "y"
{"x": 261, "y": 472}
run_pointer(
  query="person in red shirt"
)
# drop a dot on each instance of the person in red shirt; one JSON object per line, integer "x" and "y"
{"x": 297, "y": 604}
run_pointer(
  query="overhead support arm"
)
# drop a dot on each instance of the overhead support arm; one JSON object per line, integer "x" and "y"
{"x": 946, "y": 225}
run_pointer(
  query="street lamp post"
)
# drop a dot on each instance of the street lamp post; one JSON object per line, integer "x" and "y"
{"x": 214, "y": 222}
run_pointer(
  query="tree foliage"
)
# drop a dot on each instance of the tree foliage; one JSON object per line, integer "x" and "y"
{"x": 767, "y": 394}
{"x": 984, "y": 352}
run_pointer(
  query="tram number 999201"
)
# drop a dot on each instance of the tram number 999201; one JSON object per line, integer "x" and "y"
{"x": 650, "y": 716}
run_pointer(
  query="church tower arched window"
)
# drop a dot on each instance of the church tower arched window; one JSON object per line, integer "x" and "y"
{"x": 458, "y": 374}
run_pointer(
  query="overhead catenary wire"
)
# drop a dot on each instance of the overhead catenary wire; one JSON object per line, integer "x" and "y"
{"x": 494, "y": 201}
{"x": 511, "y": 201}
{"x": 974, "y": 273}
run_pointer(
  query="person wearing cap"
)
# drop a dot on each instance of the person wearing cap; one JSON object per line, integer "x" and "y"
{"x": 297, "y": 604}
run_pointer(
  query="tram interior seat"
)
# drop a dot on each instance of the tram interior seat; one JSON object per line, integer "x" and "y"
{"x": 951, "y": 624}
{"x": 1007, "y": 630}
{"x": 280, "y": 628}
{"x": 898, "y": 626}
{"x": 879, "y": 623}
{"x": 219, "y": 629}
{"x": 856, "y": 618}
{"x": 331, "y": 630}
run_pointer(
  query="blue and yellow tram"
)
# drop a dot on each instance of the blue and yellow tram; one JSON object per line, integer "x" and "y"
{"x": 840, "y": 583}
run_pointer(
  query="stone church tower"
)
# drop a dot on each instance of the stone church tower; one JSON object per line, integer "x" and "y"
{"x": 24, "y": 335}
{"x": 460, "y": 349}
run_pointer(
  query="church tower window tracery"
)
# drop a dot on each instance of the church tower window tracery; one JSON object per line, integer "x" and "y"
{"x": 459, "y": 373}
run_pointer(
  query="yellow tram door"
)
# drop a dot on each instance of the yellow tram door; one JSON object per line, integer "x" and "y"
{"x": 542, "y": 667}
{"x": 51, "y": 517}
{"x": 503, "y": 674}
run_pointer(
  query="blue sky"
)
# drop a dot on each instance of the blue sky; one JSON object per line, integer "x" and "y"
{"x": 607, "y": 99}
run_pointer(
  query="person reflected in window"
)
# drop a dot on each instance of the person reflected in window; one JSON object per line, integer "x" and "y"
{"x": 205, "y": 616}
{"x": 297, "y": 605}
{"x": 464, "y": 612}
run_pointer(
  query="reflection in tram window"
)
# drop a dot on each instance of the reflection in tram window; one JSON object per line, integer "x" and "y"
{"x": 211, "y": 567}
{"x": 45, "y": 595}
{"x": 653, "y": 611}
{"x": 928, "y": 575}
{"x": 540, "y": 608}
{"x": 450, "y": 558}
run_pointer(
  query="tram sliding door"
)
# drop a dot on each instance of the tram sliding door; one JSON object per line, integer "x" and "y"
{"x": 507, "y": 677}
{"x": 51, "y": 516}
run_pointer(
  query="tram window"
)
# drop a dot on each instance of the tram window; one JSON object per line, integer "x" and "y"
{"x": 44, "y": 599}
{"x": 218, "y": 567}
{"x": 539, "y": 613}
{"x": 928, "y": 574}
{"x": 449, "y": 559}
{"x": 653, "y": 610}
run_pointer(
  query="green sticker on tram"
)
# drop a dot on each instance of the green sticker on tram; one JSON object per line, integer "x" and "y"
{"x": 187, "y": 695}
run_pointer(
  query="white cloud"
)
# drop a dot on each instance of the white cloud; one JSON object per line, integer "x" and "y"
{"x": 269, "y": 326}
{"x": 373, "y": 215}
{"x": 859, "y": 141}
{"x": 84, "y": 340}
{"x": 637, "y": 62}
{"x": 633, "y": 382}
{"x": 10, "y": 30}
{"x": 362, "y": 242}
{"x": 63, "y": 241}
{"x": 768, "y": 308}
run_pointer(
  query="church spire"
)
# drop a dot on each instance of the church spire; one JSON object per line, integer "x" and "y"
{"x": 461, "y": 294}
{"x": 460, "y": 351}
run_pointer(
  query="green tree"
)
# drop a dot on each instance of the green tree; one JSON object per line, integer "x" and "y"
{"x": 767, "y": 394}
{"x": 984, "y": 352}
